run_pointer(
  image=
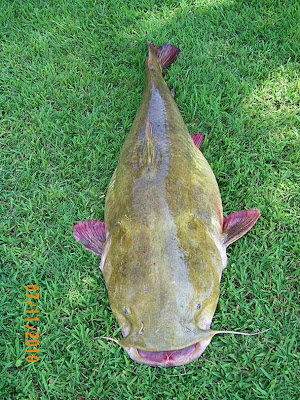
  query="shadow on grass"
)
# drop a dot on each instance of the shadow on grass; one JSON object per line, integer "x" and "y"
{"x": 235, "y": 80}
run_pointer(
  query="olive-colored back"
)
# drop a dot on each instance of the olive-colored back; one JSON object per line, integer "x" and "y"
{"x": 163, "y": 215}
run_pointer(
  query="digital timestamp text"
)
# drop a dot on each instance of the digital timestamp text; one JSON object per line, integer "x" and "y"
{"x": 31, "y": 323}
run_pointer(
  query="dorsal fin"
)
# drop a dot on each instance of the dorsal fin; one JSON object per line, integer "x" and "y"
{"x": 148, "y": 150}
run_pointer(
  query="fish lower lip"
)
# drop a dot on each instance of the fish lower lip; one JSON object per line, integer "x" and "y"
{"x": 167, "y": 357}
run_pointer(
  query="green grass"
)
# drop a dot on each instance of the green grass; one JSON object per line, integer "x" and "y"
{"x": 72, "y": 75}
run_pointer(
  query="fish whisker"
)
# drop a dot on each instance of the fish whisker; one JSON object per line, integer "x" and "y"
{"x": 243, "y": 333}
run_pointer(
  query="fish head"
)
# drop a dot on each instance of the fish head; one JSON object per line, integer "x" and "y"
{"x": 168, "y": 342}
{"x": 168, "y": 331}
{"x": 162, "y": 305}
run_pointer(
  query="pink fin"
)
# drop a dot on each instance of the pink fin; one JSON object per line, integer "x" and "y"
{"x": 197, "y": 139}
{"x": 166, "y": 54}
{"x": 91, "y": 234}
{"x": 237, "y": 224}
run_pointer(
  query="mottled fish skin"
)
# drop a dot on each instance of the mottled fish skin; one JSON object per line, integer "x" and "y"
{"x": 164, "y": 253}
{"x": 163, "y": 242}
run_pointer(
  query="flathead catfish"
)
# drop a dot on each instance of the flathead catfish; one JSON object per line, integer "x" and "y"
{"x": 163, "y": 242}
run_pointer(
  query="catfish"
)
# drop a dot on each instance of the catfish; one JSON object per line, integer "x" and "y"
{"x": 163, "y": 240}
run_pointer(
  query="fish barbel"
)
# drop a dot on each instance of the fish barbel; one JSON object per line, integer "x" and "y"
{"x": 163, "y": 242}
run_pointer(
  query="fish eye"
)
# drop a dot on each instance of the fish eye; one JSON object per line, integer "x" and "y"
{"x": 126, "y": 311}
{"x": 198, "y": 306}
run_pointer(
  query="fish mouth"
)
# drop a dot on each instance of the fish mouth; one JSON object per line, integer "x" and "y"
{"x": 168, "y": 358}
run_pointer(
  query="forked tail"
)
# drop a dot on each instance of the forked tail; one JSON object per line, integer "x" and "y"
{"x": 164, "y": 55}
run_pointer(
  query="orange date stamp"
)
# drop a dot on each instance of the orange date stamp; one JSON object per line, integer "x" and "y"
{"x": 32, "y": 335}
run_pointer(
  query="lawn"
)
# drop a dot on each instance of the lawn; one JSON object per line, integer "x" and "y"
{"x": 71, "y": 79}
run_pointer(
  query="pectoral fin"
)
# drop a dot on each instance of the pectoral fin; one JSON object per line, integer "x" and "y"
{"x": 237, "y": 224}
{"x": 197, "y": 139}
{"x": 91, "y": 234}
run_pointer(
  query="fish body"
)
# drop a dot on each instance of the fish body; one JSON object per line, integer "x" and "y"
{"x": 163, "y": 243}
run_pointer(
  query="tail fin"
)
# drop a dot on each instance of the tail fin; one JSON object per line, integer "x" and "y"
{"x": 165, "y": 55}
